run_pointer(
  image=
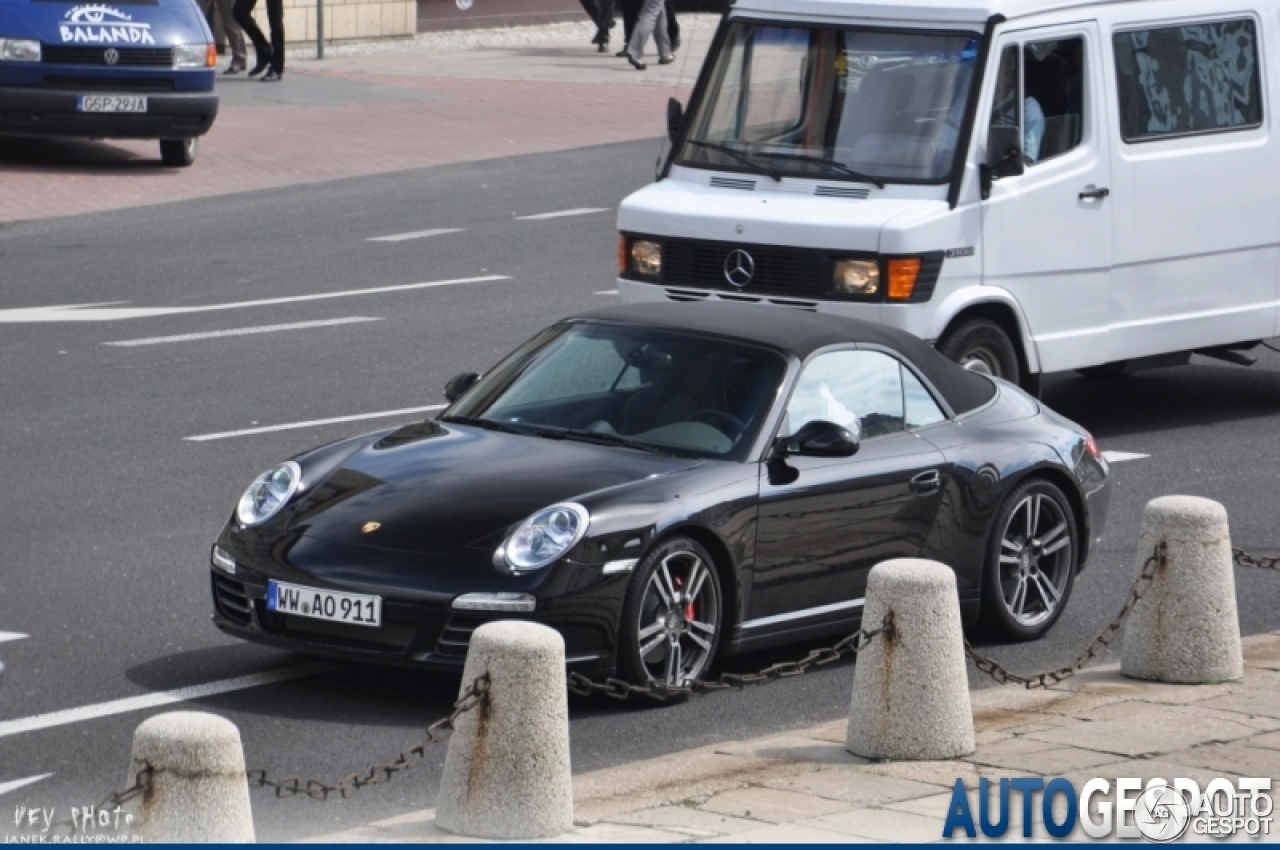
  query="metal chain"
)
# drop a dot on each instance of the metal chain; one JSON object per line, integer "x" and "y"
{"x": 1092, "y": 650}
{"x": 379, "y": 774}
{"x": 619, "y": 689}
{"x": 141, "y": 785}
{"x": 1261, "y": 562}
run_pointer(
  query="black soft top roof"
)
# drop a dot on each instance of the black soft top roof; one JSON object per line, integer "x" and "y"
{"x": 802, "y": 333}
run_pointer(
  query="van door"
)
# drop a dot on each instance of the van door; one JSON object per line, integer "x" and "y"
{"x": 1047, "y": 230}
{"x": 1196, "y": 171}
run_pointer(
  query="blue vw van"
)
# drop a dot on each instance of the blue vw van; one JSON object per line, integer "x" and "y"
{"x": 125, "y": 69}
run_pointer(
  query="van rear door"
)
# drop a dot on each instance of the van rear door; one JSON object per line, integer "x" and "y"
{"x": 1047, "y": 231}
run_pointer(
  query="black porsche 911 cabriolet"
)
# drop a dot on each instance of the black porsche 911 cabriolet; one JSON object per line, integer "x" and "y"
{"x": 664, "y": 484}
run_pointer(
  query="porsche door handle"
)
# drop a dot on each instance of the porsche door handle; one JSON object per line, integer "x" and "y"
{"x": 926, "y": 483}
{"x": 1094, "y": 193}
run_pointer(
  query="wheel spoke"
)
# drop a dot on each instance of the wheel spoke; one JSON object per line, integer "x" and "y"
{"x": 1011, "y": 544}
{"x": 706, "y": 627}
{"x": 1008, "y": 559}
{"x": 1048, "y": 592}
{"x": 697, "y": 575}
{"x": 650, "y": 630}
{"x": 1033, "y": 516}
{"x": 674, "y": 660}
{"x": 700, "y": 641}
{"x": 1055, "y": 540}
{"x": 647, "y": 649}
{"x": 659, "y": 585}
{"x": 1019, "y": 598}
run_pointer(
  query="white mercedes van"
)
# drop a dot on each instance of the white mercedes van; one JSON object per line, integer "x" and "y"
{"x": 1033, "y": 185}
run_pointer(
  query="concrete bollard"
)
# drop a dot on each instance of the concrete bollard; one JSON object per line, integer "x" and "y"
{"x": 198, "y": 788}
{"x": 506, "y": 774}
{"x": 910, "y": 687}
{"x": 1185, "y": 628}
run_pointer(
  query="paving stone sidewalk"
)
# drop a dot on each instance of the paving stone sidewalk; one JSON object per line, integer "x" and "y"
{"x": 804, "y": 787}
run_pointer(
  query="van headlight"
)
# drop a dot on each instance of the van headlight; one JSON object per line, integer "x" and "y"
{"x": 194, "y": 55}
{"x": 544, "y": 537}
{"x": 646, "y": 258}
{"x": 268, "y": 493}
{"x": 856, "y": 277}
{"x": 19, "y": 50}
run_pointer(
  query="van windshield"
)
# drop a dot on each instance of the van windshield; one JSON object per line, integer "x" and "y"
{"x": 838, "y": 103}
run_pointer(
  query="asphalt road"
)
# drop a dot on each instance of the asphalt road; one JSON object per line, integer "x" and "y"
{"x": 107, "y": 510}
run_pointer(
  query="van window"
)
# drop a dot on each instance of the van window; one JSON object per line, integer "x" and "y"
{"x": 833, "y": 103}
{"x": 1050, "y": 109}
{"x": 1175, "y": 81}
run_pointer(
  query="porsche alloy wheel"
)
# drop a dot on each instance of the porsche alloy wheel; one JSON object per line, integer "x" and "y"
{"x": 1032, "y": 562}
{"x": 672, "y": 619}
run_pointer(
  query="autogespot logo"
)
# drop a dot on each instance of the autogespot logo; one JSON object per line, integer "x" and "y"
{"x": 1159, "y": 811}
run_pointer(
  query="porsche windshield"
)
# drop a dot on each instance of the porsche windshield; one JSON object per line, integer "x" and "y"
{"x": 627, "y": 385}
{"x": 833, "y": 103}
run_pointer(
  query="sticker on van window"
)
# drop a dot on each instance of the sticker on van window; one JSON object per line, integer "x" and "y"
{"x": 98, "y": 24}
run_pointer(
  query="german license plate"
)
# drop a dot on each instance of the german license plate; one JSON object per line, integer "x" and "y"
{"x": 111, "y": 103}
{"x": 356, "y": 608}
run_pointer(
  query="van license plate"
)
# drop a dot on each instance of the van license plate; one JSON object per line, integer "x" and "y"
{"x": 355, "y": 608}
{"x": 111, "y": 103}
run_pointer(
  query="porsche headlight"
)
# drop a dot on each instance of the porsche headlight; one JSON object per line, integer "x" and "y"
{"x": 269, "y": 492}
{"x": 545, "y": 536}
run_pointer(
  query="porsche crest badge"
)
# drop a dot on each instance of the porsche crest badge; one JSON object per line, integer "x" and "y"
{"x": 370, "y": 527}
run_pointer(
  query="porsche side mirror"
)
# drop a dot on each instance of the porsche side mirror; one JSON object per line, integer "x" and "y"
{"x": 459, "y": 384}
{"x": 675, "y": 120}
{"x": 820, "y": 439}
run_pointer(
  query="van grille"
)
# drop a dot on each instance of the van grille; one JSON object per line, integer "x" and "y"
{"x": 108, "y": 84}
{"x": 150, "y": 57}
{"x": 778, "y": 271}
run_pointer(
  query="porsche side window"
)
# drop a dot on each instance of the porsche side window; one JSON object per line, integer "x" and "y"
{"x": 861, "y": 390}
{"x": 922, "y": 410}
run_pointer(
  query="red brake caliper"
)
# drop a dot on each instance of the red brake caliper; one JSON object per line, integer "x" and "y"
{"x": 688, "y": 608}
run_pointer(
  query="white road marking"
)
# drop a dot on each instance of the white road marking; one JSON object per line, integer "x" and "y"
{"x": 6, "y": 787}
{"x": 8, "y": 636}
{"x": 561, "y": 214}
{"x": 94, "y": 313}
{"x": 260, "y": 329}
{"x": 266, "y": 429}
{"x": 1120, "y": 457}
{"x": 122, "y": 706}
{"x": 417, "y": 234}
{"x": 607, "y": 292}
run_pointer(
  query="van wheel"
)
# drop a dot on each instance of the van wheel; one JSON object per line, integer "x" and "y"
{"x": 980, "y": 345}
{"x": 178, "y": 153}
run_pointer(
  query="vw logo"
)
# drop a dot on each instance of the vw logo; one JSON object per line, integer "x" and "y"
{"x": 739, "y": 268}
{"x": 111, "y": 56}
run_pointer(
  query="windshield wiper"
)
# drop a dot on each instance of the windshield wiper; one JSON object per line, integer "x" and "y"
{"x": 607, "y": 439}
{"x": 491, "y": 425}
{"x": 830, "y": 163}
{"x": 740, "y": 156}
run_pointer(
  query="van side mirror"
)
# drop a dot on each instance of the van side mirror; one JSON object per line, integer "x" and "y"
{"x": 675, "y": 120}
{"x": 1004, "y": 156}
{"x": 458, "y": 385}
{"x": 819, "y": 438}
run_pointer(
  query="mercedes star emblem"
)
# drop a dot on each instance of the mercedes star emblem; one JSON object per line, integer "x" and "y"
{"x": 739, "y": 268}
{"x": 111, "y": 56}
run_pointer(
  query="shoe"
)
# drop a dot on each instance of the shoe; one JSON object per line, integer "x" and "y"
{"x": 636, "y": 63}
{"x": 272, "y": 76}
{"x": 234, "y": 68}
{"x": 263, "y": 64}
{"x": 668, "y": 59}
{"x": 603, "y": 48}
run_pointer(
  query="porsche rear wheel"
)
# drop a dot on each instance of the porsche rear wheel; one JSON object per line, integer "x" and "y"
{"x": 1031, "y": 562}
{"x": 673, "y": 616}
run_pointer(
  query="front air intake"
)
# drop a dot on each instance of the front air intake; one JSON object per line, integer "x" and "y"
{"x": 741, "y": 184}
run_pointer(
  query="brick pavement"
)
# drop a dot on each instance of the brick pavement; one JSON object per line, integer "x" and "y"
{"x": 360, "y": 115}
{"x": 803, "y": 786}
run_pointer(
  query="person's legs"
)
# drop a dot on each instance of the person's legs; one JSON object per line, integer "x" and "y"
{"x": 243, "y": 13}
{"x": 660, "y": 34}
{"x": 673, "y": 26}
{"x": 275, "y": 17}
{"x": 646, "y": 24}
{"x": 235, "y": 35}
{"x": 630, "y": 11}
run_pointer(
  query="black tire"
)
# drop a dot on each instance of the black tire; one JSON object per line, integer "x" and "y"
{"x": 651, "y": 625}
{"x": 982, "y": 346}
{"x": 178, "y": 153}
{"x": 1054, "y": 525}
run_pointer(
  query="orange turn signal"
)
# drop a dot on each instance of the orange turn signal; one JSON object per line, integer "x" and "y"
{"x": 211, "y": 56}
{"x": 903, "y": 273}
{"x": 622, "y": 254}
